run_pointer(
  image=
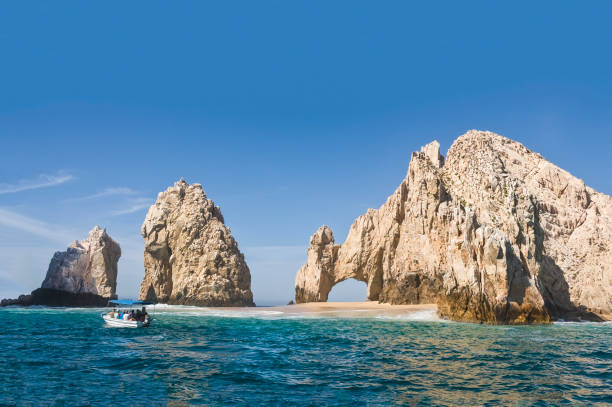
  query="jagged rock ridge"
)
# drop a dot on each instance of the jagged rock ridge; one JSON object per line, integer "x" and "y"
{"x": 494, "y": 233}
{"x": 83, "y": 275}
{"x": 191, "y": 257}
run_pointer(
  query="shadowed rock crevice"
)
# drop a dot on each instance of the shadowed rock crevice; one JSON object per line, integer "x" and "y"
{"x": 557, "y": 299}
{"x": 493, "y": 233}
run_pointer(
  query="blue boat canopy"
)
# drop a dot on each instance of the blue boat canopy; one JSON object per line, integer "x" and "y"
{"x": 129, "y": 302}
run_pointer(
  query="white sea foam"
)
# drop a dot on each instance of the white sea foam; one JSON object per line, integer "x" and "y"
{"x": 561, "y": 322}
{"x": 424, "y": 315}
{"x": 284, "y": 313}
{"x": 187, "y": 310}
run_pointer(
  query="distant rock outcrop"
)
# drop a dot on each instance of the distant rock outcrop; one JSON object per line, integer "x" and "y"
{"x": 83, "y": 275}
{"x": 494, "y": 234}
{"x": 191, "y": 257}
{"x": 57, "y": 298}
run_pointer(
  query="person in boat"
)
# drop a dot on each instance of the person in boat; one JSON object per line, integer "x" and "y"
{"x": 143, "y": 314}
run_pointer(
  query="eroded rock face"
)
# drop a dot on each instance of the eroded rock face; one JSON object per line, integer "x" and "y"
{"x": 191, "y": 257}
{"x": 317, "y": 277}
{"x": 88, "y": 266}
{"x": 495, "y": 233}
{"x": 83, "y": 275}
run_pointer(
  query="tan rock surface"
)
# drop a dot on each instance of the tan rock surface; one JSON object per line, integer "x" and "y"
{"x": 493, "y": 233}
{"x": 191, "y": 257}
{"x": 86, "y": 267}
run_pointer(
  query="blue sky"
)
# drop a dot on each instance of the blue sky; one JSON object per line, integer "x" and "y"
{"x": 290, "y": 114}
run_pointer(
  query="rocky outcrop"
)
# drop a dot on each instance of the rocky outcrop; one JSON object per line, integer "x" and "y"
{"x": 317, "y": 276}
{"x": 190, "y": 255}
{"x": 494, "y": 233}
{"x": 57, "y": 298}
{"x": 83, "y": 275}
{"x": 88, "y": 266}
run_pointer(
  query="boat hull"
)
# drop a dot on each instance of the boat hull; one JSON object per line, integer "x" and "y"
{"x": 121, "y": 323}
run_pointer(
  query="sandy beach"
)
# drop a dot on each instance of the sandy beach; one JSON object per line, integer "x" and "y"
{"x": 314, "y": 309}
{"x": 352, "y": 306}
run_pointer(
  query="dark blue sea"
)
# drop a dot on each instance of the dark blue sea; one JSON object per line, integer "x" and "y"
{"x": 198, "y": 356}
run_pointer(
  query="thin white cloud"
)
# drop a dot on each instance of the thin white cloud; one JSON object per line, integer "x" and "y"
{"x": 134, "y": 206}
{"x": 114, "y": 191}
{"x": 34, "y": 226}
{"x": 42, "y": 181}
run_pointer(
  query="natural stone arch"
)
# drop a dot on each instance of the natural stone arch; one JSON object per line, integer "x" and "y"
{"x": 349, "y": 290}
{"x": 493, "y": 233}
{"x": 319, "y": 275}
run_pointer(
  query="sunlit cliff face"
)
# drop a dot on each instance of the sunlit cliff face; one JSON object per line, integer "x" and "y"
{"x": 494, "y": 233}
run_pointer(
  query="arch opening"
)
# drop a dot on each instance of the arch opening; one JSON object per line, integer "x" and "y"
{"x": 349, "y": 290}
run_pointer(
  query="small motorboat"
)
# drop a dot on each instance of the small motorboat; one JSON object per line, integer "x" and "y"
{"x": 125, "y": 323}
{"x": 117, "y": 318}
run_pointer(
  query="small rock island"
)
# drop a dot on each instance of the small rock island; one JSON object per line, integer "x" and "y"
{"x": 190, "y": 256}
{"x": 85, "y": 275}
{"x": 494, "y": 233}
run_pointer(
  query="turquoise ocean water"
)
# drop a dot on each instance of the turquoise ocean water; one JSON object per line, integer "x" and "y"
{"x": 211, "y": 357}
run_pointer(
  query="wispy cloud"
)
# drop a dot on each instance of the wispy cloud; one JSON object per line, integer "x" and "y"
{"x": 134, "y": 205}
{"x": 34, "y": 226}
{"x": 42, "y": 181}
{"x": 114, "y": 191}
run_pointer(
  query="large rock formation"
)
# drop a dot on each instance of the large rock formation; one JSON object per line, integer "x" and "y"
{"x": 495, "y": 234}
{"x": 191, "y": 257}
{"x": 83, "y": 275}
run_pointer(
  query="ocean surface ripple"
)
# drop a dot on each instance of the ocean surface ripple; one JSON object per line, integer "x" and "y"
{"x": 200, "y": 357}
